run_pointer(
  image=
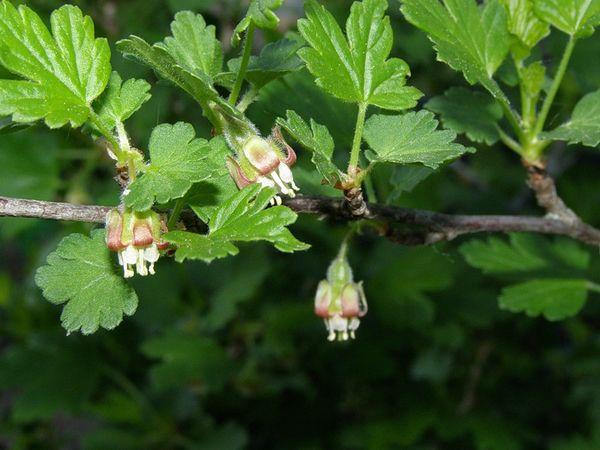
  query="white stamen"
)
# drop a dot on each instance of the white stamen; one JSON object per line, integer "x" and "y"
{"x": 141, "y": 263}
{"x": 284, "y": 189}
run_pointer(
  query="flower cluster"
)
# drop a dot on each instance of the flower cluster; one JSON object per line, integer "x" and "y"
{"x": 266, "y": 161}
{"x": 339, "y": 300}
{"x": 136, "y": 237}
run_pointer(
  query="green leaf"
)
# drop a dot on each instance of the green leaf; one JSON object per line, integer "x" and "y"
{"x": 197, "y": 84}
{"x": 584, "y": 126}
{"x": 316, "y": 139}
{"x": 206, "y": 196}
{"x": 62, "y": 72}
{"x": 524, "y": 24}
{"x": 80, "y": 273}
{"x": 186, "y": 360}
{"x": 122, "y": 100}
{"x": 471, "y": 39}
{"x": 177, "y": 161}
{"x": 69, "y": 367}
{"x": 555, "y": 299}
{"x": 472, "y": 113}
{"x": 574, "y": 17}
{"x": 406, "y": 178}
{"x": 356, "y": 69}
{"x": 243, "y": 217}
{"x": 261, "y": 14}
{"x": 524, "y": 253}
{"x": 411, "y": 138}
{"x": 27, "y": 172}
{"x": 276, "y": 59}
{"x": 194, "y": 45}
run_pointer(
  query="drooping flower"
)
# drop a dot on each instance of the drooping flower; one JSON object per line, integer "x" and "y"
{"x": 339, "y": 300}
{"x": 266, "y": 161}
{"x": 136, "y": 237}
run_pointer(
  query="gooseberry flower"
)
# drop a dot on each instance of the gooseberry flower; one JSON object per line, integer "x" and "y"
{"x": 136, "y": 237}
{"x": 339, "y": 300}
{"x": 266, "y": 161}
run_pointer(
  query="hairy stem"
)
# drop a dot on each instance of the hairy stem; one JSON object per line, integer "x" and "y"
{"x": 358, "y": 132}
{"x": 237, "y": 87}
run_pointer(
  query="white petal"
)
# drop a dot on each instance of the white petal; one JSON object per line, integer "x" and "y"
{"x": 285, "y": 173}
{"x": 265, "y": 182}
{"x": 130, "y": 255}
{"x": 151, "y": 254}
{"x": 338, "y": 323}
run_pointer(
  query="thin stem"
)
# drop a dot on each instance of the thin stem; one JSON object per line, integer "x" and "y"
{"x": 370, "y": 187}
{"x": 549, "y": 100}
{"x": 174, "y": 217}
{"x": 237, "y": 87}
{"x": 508, "y": 141}
{"x": 358, "y": 132}
{"x": 247, "y": 99}
{"x": 511, "y": 116}
{"x": 97, "y": 122}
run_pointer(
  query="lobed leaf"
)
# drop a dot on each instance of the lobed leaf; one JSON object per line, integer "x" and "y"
{"x": 178, "y": 160}
{"x": 468, "y": 38}
{"x": 466, "y": 111}
{"x": 524, "y": 24}
{"x": 121, "y": 100}
{"x": 194, "y": 45}
{"x": 584, "y": 126}
{"x": 61, "y": 74}
{"x": 242, "y": 217}
{"x": 80, "y": 273}
{"x": 198, "y": 85}
{"x": 315, "y": 138}
{"x": 276, "y": 60}
{"x": 555, "y": 299}
{"x": 524, "y": 253}
{"x": 355, "y": 67}
{"x": 410, "y": 138}
{"x": 574, "y": 17}
{"x": 406, "y": 178}
{"x": 187, "y": 359}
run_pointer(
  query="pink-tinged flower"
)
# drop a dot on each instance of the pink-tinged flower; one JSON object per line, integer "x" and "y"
{"x": 264, "y": 161}
{"x": 136, "y": 237}
{"x": 339, "y": 301}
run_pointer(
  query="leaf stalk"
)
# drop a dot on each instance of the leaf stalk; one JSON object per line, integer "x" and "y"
{"x": 237, "y": 87}
{"x": 358, "y": 132}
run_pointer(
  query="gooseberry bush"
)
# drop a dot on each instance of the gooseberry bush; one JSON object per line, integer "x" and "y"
{"x": 62, "y": 76}
{"x": 203, "y": 190}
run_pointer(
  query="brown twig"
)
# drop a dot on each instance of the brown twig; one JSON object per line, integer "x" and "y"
{"x": 402, "y": 225}
{"x": 544, "y": 187}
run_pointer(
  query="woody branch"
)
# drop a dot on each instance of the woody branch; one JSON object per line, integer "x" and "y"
{"x": 402, "y": 225}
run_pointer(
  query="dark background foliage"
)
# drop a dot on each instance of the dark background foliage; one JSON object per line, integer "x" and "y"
{"x": 230, "y": 355}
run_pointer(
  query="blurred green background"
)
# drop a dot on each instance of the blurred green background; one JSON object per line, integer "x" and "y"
{"x": 230, "y": 356}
